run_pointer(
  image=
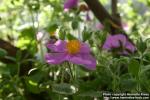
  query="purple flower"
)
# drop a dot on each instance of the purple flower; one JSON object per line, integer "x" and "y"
{"x": 120, "y": 43}
{"x": 73, "y": 51}
{"x": 70, "y": 4}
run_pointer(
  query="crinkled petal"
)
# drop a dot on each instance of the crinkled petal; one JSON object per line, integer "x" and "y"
{"x": 70, "y": 4}
{"x": 107, "y": 44}
{"x": 113, "y": 41}
{"x": 58, "y": 46}
{"x": 130, "y": 46}
{"x": 117, "y": 39}
{"x": 86, "y": 60}
{"x": 55, "y": 58}
{"x": 84, "y": 48}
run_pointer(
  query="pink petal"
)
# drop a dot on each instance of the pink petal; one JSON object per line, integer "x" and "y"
{"x": 84, "y": 59}
{"x": 116, "y": 39}
{"x": 70, "y": 4}
{"x": 58, "y": 46}
{"x": 99, "y": 26}
{"x": 55, "y": 58}
{"x": 113, "y": 41}
{"x": 130, "y": 46}
{"x": 84, "y": 48}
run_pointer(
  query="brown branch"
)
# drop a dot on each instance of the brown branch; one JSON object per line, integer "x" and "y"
{"x": 11, "y": 52}
{"x": 98, "y": 10}
{"x": 114, "y": 7}
{"x": 102, "y": 15}
{"x": 115, "y": 15}
{"x": 8, "y": 47}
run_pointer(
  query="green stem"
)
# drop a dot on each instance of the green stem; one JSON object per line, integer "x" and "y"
{"x": 41, "y": 52}
{"x": 71, "y": 73}
{"x": 138, "y": 78}
{"x": 75, "y": 71}
{"x": 62, "y": 77}
{"x": 18, "y": 69}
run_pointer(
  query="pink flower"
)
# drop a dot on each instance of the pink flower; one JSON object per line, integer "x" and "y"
{"x": 69, "y": 4}
{"x": 39, "y": 35}
{"x": 73, "y": 51}
{"x": 120, "y": 43}
{"x": 125, "y": 26}
{"x": 99, "y": 26}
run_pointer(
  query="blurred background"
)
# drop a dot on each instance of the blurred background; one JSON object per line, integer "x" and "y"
{"x": 28, "y": 25}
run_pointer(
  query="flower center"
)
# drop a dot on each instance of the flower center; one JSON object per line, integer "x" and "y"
{"x": 73, "y": 46}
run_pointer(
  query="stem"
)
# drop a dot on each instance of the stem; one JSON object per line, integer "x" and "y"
{"x": 138, "y": 78}
{"x": 79, "y": 35}
{"x": 59, "y": 97}
{"x": 41, "y": 52}
{"x": 71, "y": 73}
{"x": 75, "y": 71}
{"x": 18, "y": 69}
{"x": 36, "y": 31}
{"x": 62, "y": 77}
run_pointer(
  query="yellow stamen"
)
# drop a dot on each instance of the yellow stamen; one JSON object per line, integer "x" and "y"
{"x": 73, "y": 46}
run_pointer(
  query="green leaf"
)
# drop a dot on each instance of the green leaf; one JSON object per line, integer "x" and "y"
{"x": 64, "y": 88}
{"x": 62, "y": 33}
{"x": 52, "y": 27}
{"x": 3, "y": 52}
{"x": 86, "y": 35}
{"x": 74, "y": 24}
{"x": 32, "y": 85}
{"x": 144, "y": 69}
{"x": 32, "y": 81}
{"x": 70, "y": 37}
{"x": 11, "y": 58}
{"x": 91, "y": 94}
{"x": 13, "y": 68}
{"x": 4, "y": 70}
{"x": 18, "y": 55}
{"x": 28, "y": 32}
{"x": 134, "y": 67}
{"x": 141, "y": 45}
{"x": 127, "y": 83}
